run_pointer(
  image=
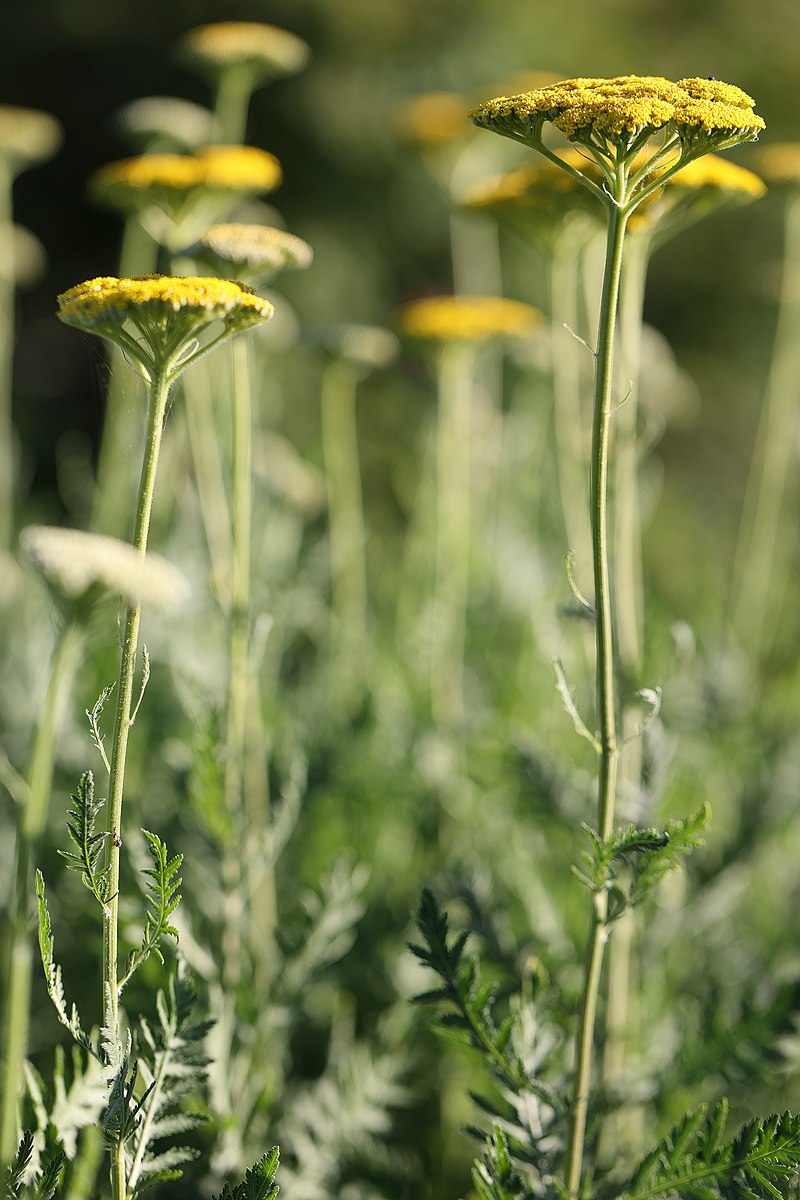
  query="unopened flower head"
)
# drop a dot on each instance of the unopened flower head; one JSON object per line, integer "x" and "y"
{"x": 433, "y": 117}
{"x": 367, "y": 346}
{"x": 255, "y": 253}
{"x": 263, "y": 51}
{"x": 84, "y": 565}
{"x": 614, "y": 118}
{"x": 166, "y": 122}
{"x": 468, "y": 318}
{"x": 780, "y": 163}
{"x": 27, "y": 136}
{"x": 158, "y": 319}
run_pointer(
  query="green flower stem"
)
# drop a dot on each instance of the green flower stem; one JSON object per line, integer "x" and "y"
{"x": 759, "y": 571}
{"x": 238, "y": 658}
{"x": 31, "y": 827}
{"x": 345, "y": 528}
{"x": 122, "y": 424}
{"x": 212, "y": 492}
{"x": 159, "y": 391}
{"x": 6, "y": 357}
{"x": 234, "y": 89}
{"x": 451, "y": 585}
{"x": 606, "y": 695}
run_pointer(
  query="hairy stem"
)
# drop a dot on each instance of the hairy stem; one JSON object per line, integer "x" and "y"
{"x": 159, "y": 391}
{"x": 31, "y": 827}
{"x": 605, "y": 683}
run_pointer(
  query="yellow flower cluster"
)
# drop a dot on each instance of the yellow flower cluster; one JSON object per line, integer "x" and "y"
{"x": 627, "y": 104}
{"x": 216, "y": 168}
{"x": 711, "y": 171}
{"x": 106, "y": 296}
{"x": 254, "y": 248}
{"x": 780, "y": 163}
{"x": 468, "y": 318}
{"x": 263, "y": 48}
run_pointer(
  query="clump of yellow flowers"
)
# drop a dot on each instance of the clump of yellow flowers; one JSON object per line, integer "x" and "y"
{"x": 468, "y": 318}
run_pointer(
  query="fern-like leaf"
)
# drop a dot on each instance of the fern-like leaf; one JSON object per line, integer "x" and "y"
{"x": 495, "y": 1177}
{"x": 259, "y": 1181}
{"x": 23, "y": 1183}
{"x": 85, "y": 859}
{"x": 52, "y": 972}
{"x": 694, "y": 1160}
{"x": 162, "y": 898}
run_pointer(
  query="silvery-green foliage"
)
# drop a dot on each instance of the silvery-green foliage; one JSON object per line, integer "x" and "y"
{"x": 23, "y": 1181}
{"x": 259, "y": 1181}
{"x": 79, "y": 1094}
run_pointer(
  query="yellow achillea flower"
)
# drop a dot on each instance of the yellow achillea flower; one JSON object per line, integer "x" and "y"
{"x": 468, "y": 318}
{"x": 713, "y": 171}
{"x": 251, "y": 252}
{"x": 538, "y": 195}
{"x": 166, "y": 312}
{"x": 27, "y": 136}
{"x": 132, "y": 182}
{"x": 262, "y": 50}
{"x": 81, "y": 565}
{"x": 780, "y": 163}
{"x": 626, "y": 105}
{"x": 433, "y": 117}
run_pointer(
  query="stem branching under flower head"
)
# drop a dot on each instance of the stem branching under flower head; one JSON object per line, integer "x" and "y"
{"x": 158, "y": 320}
{"x": 468, "y": 318}
{"x": 614, "y": 119}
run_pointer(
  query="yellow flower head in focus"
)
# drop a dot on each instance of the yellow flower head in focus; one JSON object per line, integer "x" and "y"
{"x": 468, "y": 318}
{"x": 433, "y": 117}
{"x": 262, "y": 51}
{"x": 780, "y": 163}
{"x": 254, "y": 253}
{"x": 159, "y": 319}
{"x": 27, "y": 136}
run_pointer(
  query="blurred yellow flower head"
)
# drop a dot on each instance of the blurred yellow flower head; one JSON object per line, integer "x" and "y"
{"x": 262, "y": 50}
{"x": 780, "y": 163}
{"x": 150, "y": 178}
{"x": 27, "y": 136}
{"x": 468, "y": 318}
{"x": 433, "y": 117}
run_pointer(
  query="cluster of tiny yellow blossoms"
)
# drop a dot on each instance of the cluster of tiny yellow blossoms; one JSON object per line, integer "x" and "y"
{"x": 780, "y": 163}
{"x": 468, "y": 318}
{"x": 76, "y": 562}
{"x": 27, "y": 136}
{"x": 102, "y": 305}
{"x": 254, "y": 248}
{"x": 625, "y": 105}
{"x": 433, "y": 117}
{"x": 711, "y": 171}
{"x": 247, "y": 43}
{"x": 216, "y": 168}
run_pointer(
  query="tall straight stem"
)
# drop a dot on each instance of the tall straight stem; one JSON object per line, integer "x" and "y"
{"x": 605, "y": 683}
{"x": 31, "y": 827}
{"x": 234, "y": 89}
{"x": 159, "y": 390}
{"x": 6, "y": 356}
{"x": 238, "y": 656}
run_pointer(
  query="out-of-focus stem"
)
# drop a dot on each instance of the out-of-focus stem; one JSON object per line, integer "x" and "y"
{"x": 345, "y": 530}
{"x": 451, "y": 584}
{"x": 31, "y": 827}
{"x": 234, "y": 89}
{"x": 6, "y": 356}
{"x": 758, "y": 578}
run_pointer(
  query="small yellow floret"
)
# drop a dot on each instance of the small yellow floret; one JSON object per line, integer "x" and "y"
{"x": 247, "y": 43}
{"x": 468, "y": 318}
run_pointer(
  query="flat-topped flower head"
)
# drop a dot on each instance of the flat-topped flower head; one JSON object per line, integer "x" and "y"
{"x": 254, "y": 253}
{"x": 615, "y": 118}
{"x": 27, "y": 136}
{"x": 165, "y": 123}
{"x": 432, "y": 118}
{"x": 262, "y": 51}
{"x": 83, "y": 566}
{"x": 468, "y": 318}
{"x": 163, "y": 322}
{"x": 780, "y": 163}
{"x": 704, "y": 186}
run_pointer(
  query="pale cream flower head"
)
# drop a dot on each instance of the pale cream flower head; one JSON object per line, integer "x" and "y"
{"x": 253, "y": 253}
{"x": 165, "y": 123}
{"x": 82, "y": 566}
{"x": 261, "y": 51}
{"x": 27, "y": 136}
